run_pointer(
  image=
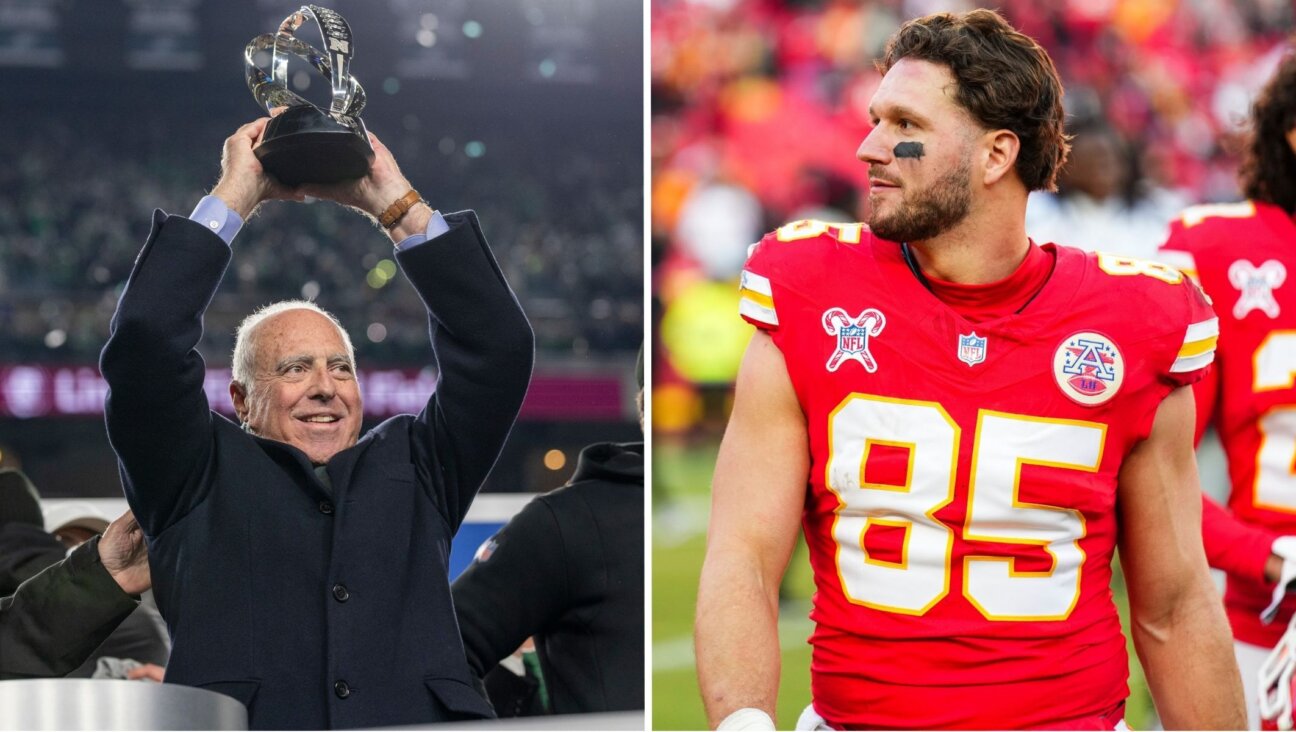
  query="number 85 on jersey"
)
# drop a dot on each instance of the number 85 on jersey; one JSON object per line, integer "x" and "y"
{"x": 1003, "y": 444}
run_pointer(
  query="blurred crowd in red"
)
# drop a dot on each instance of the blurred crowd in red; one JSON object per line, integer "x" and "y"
{"x": 758, "y": 107}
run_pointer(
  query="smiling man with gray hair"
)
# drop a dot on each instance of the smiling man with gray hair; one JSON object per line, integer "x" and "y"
{"x": 302, "y": 567}
{"x": 272, "y": 388}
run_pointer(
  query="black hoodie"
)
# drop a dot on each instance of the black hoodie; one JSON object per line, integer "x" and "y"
{"x": 569, "y": 570}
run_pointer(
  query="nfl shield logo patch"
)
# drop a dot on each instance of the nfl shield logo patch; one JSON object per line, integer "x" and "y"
{"x": 971, "y": 348}
{"x": 485, "y": 551}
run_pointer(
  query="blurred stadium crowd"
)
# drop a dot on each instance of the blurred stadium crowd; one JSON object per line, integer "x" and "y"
{"x": 68, "y": 236}
{"x": 758, "y": 107}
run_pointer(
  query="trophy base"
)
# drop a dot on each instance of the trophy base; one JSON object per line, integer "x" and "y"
{"x": 305, "y": 145}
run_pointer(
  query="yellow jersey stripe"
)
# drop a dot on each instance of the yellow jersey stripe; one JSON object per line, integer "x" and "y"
{"x": 757, "y": 312}
{"x": 1192, "y": 363}
{"x": 756, "y": 297}
{"x": 1197, "y": 348}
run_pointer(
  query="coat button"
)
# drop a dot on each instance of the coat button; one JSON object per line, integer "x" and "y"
{"x": 342, "y": 690}
{"x": 326, "y": 508}
{"x": 340, "y": 593}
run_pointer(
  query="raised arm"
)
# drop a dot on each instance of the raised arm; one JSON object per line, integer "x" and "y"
{"x": 1176, "y": 616}
{"x": 483, "y": 343}
{"x": 484, "y": 351}
{"x": 157, "y": 414}
{"x": 756, "y": 500}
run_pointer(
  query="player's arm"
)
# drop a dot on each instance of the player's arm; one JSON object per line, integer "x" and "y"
{"x": 756, "y": 500}
{"x": 1240, "y": 549}
{"x": 1177, "y": 618}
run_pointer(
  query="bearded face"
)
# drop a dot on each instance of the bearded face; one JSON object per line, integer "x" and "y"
{"x": 915, "y": 211}
{"x": 921, "y": 153}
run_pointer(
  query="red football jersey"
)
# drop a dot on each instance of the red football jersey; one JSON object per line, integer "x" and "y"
{"x": 1241, "y": 253}
{"x": 960, "y": 512}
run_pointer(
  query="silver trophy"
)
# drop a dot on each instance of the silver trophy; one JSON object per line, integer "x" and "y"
{"x": 306, "y": 144}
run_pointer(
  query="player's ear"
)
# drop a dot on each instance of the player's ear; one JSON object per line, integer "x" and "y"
{"x": 1001, "y": 149}
{"x": 238, "y": 395}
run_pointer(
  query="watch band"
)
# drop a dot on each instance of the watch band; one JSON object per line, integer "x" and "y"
{"x": 397, "y": 210}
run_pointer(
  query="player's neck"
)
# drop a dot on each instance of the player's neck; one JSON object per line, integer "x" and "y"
{"x": 975, "y": 252}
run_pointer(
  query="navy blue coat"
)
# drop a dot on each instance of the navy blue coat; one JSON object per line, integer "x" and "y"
{"x": 316, "y": 610}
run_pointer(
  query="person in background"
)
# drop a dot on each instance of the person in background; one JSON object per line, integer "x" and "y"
{"x": 25, "y": 546}
{"x": 54, "y": 620}
{"x": 1244, "y": 256}
{"x": 568, "y": 571}
{"x": 139, "y": 647}
{"x": 1101, "y": 202}
{"x": 73, "y": 523}
{"x": 35, "y": 539}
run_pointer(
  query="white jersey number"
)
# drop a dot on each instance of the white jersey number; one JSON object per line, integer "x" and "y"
{"x": 1275, "y": 368}
{"x": 1003, "y": 444}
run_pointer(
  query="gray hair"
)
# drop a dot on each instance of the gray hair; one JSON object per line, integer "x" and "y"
{"x": 243, "y": 364}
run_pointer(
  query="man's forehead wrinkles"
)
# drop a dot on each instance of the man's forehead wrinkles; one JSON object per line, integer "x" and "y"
{"x": 295, "y": 358}
{"x": 309, "y": 358}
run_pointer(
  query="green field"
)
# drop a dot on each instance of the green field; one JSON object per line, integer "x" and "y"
{"x": 681, "y": 482}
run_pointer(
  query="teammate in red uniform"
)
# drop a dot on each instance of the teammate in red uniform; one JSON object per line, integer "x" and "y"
{"x": 967, "y": 425}
{"x": 1242, "y": 254}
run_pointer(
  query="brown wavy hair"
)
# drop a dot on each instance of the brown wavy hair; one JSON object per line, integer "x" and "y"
{"x": 1005, "y": 80}
{"x": 1268, "y": 171}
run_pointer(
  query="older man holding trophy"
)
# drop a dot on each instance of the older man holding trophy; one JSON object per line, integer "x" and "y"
{"x": 300, "y": 565}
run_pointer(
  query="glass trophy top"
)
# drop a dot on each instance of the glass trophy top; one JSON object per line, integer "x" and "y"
{"x": 271, "y": 89}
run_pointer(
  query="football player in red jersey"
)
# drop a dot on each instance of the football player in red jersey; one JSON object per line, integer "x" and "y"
{"x": 966, "y": 425}
{"x": 1241, "y": 253}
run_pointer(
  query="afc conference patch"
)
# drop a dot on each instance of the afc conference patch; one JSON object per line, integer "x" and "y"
{"x": 971, "y": 348}
{"x": 853, "y": 336}
{"x": 1088, "y": 368}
